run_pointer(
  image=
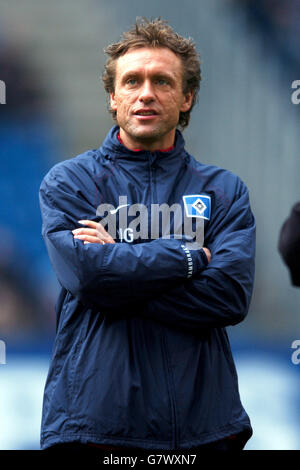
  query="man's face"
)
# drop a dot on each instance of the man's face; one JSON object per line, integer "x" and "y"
{"x": 148, "y": 97}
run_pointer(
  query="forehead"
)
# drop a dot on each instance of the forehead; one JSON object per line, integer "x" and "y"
{"x": 152, "y": 59}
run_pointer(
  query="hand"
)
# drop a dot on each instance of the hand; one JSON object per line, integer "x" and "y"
{"x": 207, "y": 252}
{"x": 95, "y": 234}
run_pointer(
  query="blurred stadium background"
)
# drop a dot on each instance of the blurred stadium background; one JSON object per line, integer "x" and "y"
{"x": 51, "y": 59}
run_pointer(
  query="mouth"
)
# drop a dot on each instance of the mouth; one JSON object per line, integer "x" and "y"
{"x": 145, "y": 114}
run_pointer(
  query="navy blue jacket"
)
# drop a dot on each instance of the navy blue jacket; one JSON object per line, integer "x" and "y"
{"x": 141, "y": 356}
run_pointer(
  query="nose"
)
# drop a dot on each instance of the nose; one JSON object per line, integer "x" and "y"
{"x": 146, "y": 92}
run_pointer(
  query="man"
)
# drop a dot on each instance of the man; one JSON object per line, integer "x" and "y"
{"x": 155, "y": 255}
{"x": 289, "y": 244}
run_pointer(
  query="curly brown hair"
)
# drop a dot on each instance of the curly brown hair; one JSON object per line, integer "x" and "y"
{"x": 157, "y": 33}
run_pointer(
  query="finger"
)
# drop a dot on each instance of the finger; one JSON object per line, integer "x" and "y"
{"x": 90, "y": 223}
{"x": 207, "y": 253}
{"x": 85, "y": 231}
{"x": 92, "y": 232}
{"x": 101, "y": 242}
{"x": 90, "y": 239}
{"x": 107, "y": 239}
{"x": 103, "y": 234}
{"x": 95, "y": 225}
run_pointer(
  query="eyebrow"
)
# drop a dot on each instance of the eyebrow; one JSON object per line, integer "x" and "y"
{"x": 137, "y": 73}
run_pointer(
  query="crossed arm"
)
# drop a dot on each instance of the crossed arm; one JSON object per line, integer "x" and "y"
{"x": 96, "y": 233}
{"x": 211, "y": 299}
{"x": 151, "y": 278}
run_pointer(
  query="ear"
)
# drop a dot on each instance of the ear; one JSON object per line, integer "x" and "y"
{"x": 187, "y": 101}
{"x": 113, "y": 103}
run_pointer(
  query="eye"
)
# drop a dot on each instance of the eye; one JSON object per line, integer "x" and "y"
{"x": 131, "y": 81}
{"x": 162, "y": 81}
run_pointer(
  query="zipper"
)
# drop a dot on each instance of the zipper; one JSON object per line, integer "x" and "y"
{"x": 152, "y": 188}
{"x": 152, "y": 176}
{"x": 170, "y": 385}
{"x": 166, "y": 356}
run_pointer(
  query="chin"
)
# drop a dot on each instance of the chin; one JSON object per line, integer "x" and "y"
{"x": 147, "y": 135}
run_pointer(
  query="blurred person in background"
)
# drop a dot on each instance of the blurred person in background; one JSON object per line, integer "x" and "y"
{"x": 289, "y": 244}
{"x": 141, "y": 358}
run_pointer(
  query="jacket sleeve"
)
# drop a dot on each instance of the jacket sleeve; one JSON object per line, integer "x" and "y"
{"x": 220, "y": 294}
{"x": 108, "y": 275}
{"x": 289, "y": 244}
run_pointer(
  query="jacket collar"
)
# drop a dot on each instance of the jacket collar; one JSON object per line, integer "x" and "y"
{"x": 113, "y": 149}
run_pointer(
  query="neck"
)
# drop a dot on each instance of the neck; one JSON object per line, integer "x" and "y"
{"x": 164, "y": 144}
